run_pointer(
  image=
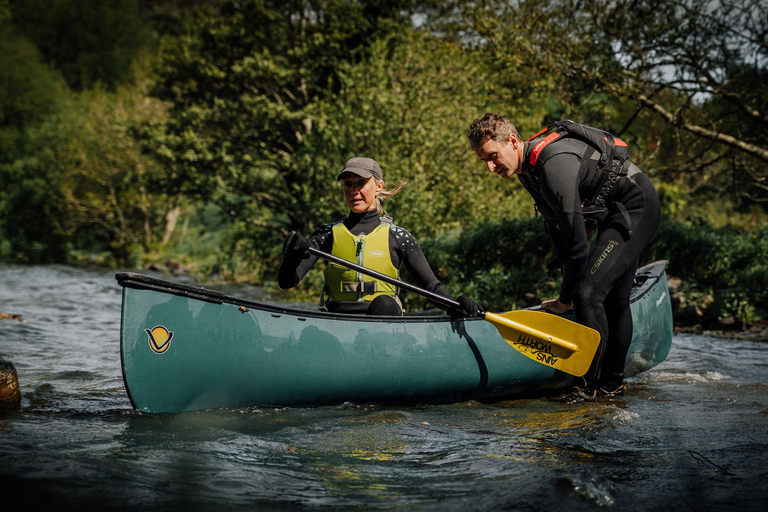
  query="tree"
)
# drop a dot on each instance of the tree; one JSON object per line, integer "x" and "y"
{"x": 695, "y": 65}
{"x": 89, "y": 41}
{"x": 241, "y": 84}
{"x": 72, "y": 176}
{"x": 30, "y": 92}
{"x": 78, "y": 182}
{"x": 108, "y": 192}
{"x": 267, "y": 100}
{"x": 408, "y": 104}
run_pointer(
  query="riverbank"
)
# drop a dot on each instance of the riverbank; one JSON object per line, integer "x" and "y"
{"x": 697, "y": 314}
{"x": 757, "y": 332}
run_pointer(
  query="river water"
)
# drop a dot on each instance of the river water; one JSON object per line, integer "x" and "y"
{"x": 691, "y": 434}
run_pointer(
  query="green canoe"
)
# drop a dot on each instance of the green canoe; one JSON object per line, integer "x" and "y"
{"x": 187, "y": 348}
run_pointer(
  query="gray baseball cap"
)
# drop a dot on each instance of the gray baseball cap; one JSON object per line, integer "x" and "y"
{"x": 363, "y": 167}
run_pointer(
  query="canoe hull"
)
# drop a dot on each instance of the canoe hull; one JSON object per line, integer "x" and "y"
{"x": 186, "y": 348}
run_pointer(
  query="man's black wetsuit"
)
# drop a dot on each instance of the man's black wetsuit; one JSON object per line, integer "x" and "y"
{"x": 403, "y": 248}
{"x": 599, "y": 282}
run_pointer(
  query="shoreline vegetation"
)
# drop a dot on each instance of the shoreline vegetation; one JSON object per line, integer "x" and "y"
{"x": 718, "y": 305}
{"x": 191, "y": 137}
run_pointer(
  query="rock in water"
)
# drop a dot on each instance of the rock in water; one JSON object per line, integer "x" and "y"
{"x": 10, "y": 316}
{"x": 10, "y": 395}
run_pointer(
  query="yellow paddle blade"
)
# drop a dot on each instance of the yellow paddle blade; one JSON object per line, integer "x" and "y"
{"x": 548, "y": 339}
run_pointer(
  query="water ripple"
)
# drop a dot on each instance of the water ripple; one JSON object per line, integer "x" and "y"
{"x": 693, "y": 430}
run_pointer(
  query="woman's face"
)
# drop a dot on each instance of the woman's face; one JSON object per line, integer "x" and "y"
{"x": 360, "y": 193}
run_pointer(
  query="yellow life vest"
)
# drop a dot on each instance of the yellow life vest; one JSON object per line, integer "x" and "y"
{"x": 371, "y": 251}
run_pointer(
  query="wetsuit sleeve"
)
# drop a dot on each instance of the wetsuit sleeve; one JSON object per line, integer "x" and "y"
{"x": 293, "y": 270}
{"x": 559, "y": 179}
{"x": 557, "y": 241}
{"x": 407, "y": 250}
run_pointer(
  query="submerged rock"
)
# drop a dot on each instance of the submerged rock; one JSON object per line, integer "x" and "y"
{"x": 10, "y": 394}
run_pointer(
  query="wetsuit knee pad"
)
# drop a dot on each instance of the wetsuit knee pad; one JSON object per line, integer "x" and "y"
{"x": 384, "y": 305}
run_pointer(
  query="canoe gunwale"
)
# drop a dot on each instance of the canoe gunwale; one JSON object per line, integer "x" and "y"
{"x": 143, "y": 282}
{"x": 646, "y": 278}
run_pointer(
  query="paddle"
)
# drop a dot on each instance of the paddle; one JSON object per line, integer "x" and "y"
{"x": 544, "y": 337}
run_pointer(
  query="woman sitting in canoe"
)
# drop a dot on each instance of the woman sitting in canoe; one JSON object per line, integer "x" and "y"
{"x": 366, "y": 236}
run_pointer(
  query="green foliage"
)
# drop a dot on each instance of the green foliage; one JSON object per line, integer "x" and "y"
{"x": 80, "y": 183}
{"x": 266, "y": 107}
{"x": 75, "y": 180}
{"x": 498, "y": 263}
{"x": 30, "y": 93}
{"x": 407, "y": 104}
{"x": 242, "y": 85}
{"x": 31, "y": 210}
{"x": 674, "y": 200}
{"x": 731, "y": 266}
{"x": 29, "y": 90}
{"x": 680, "y": 81}
{"x": 90, "y": 41}
{"x": 203, "y": 246}
{"x": 509, "y": 264}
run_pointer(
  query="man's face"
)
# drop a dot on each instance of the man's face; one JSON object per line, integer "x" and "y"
{"x": 503, "y": 158}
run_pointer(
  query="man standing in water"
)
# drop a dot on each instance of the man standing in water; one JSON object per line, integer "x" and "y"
{"x": 573, "y": 190}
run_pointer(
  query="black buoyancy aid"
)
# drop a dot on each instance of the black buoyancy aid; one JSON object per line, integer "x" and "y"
{"x": 613, "y": 164}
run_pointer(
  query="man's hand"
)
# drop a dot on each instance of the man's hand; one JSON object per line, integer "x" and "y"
{"x": 554, "y": 306}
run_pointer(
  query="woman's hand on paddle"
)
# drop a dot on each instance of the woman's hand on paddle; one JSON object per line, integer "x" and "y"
{"x": 296, "y": 246}
{"x": 469, "y": 308}
{"x": 554, "y": 306}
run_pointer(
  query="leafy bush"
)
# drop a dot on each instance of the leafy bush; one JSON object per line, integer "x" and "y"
{"x": 496, "y": 263}
{"x": 732, "y": 267}
{"x": 510, "y": 264}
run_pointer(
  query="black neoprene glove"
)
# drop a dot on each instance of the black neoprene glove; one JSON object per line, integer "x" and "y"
{"x": 469, "y": 308}
{"x": 295, "y": 246}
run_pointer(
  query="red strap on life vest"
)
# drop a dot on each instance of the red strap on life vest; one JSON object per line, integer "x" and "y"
{"x": 552, "y": 136}
{"x": 537, "y": 134}
{"x": 540, "y": 145}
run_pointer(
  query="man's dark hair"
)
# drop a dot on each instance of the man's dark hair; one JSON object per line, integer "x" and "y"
{"x": 490, "y": 126}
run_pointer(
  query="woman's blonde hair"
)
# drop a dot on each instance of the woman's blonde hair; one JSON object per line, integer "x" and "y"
{"x": 385, "y": 194}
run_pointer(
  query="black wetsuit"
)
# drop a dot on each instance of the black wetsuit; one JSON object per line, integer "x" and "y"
{"x": 403, "y": 248}
{"x": 598, "y": 282}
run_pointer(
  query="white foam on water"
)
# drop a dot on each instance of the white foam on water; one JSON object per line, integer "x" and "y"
{"x": 691, "y": 377}
{"x": 592, "y": 489}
